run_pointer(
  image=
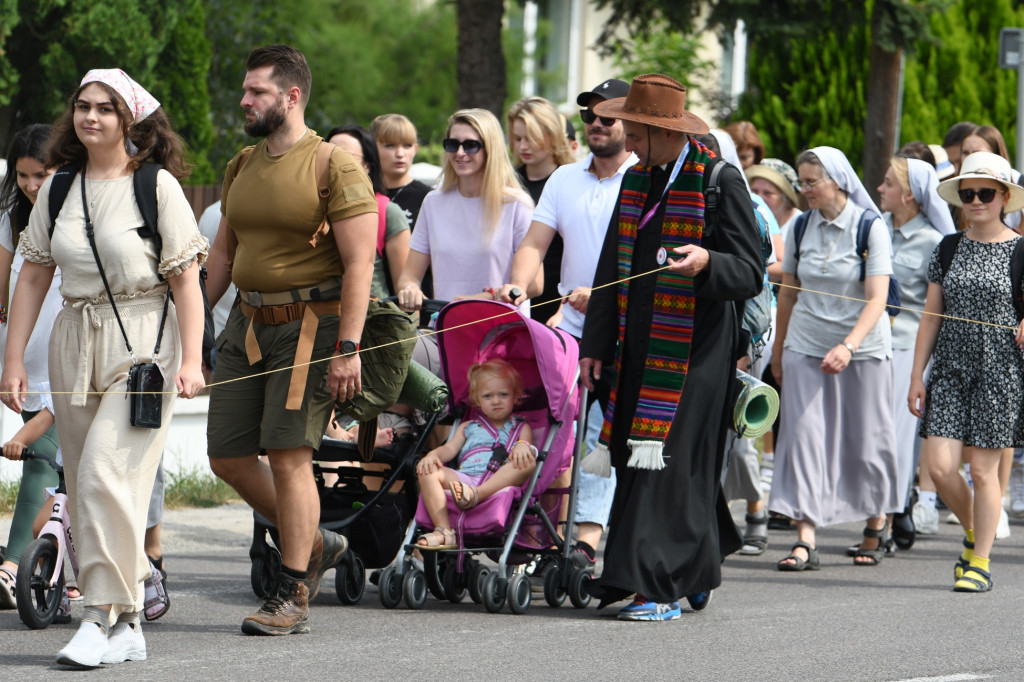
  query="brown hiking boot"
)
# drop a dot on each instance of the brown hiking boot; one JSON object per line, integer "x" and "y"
{"x": 286, "y": 611}
{"x": 328, "y": 548}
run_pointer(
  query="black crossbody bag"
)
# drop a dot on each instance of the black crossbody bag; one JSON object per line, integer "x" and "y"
{"x": 145, "y": 380}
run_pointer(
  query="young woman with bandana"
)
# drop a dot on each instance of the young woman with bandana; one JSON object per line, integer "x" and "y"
{"x": 112, "y": 126}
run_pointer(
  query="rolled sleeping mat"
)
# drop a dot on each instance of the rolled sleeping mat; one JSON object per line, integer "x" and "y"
{"x": 423, "y": 390}
{"x": 756, "y": 407}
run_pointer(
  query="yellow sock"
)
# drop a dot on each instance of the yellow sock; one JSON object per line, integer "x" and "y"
{"x": 970, "y": 535}
{"x": 968, "y": 552}
{"x": 979, "y": 562}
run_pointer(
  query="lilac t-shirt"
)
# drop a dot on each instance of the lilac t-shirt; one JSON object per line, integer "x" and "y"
{"x": 450, "y": 229}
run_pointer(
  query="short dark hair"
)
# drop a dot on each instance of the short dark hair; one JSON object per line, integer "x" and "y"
{"x": 957, "y": 132}
{"x": 289, "y": 67}
{"x": 369, "y": 148}
{"x": 917, "y": 150}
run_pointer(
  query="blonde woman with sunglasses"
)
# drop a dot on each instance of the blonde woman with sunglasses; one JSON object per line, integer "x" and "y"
{"x": 468, "y": 229}
{"x": 963, "y": 407}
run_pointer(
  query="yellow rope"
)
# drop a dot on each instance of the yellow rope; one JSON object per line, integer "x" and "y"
{"x": 514, "y": 312}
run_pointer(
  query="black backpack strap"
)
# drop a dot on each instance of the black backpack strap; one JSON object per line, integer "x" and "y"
{"x": 144, "y": 183}
{"x": 60, "y": 185}
{"x": 712, "y": 190}
{"x": 1017, "y": 277}
{"x": 799, "y": 228}
{"x": 947, "y": 249}
{"x": 867, "y": 219}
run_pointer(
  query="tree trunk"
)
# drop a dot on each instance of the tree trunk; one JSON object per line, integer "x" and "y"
{"x": 882, "y": 108}
{"x": 481, "y": 62}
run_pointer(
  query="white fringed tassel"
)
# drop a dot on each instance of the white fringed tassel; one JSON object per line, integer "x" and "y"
{"x": 599, "y": 462}
{"x": 646, "y": 454}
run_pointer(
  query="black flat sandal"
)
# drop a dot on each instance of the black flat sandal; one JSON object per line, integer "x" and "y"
{"x": 813, "y": 562}
{"x": 878, "y": 553}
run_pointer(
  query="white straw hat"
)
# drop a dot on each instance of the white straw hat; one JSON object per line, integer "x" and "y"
{"x": 989, "y": 166}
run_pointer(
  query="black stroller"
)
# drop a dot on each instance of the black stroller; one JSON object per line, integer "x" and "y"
{"x": 371, "y": 503}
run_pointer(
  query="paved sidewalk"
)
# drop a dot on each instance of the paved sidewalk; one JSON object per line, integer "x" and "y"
{"x": 896, "y": 622}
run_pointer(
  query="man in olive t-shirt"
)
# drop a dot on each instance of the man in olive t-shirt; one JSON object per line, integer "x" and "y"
{"x": 295, "y": 313}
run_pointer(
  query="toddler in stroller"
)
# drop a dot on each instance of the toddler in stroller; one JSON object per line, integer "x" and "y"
{"x": 495, "y": 450}
{"x": 518, "y": 522}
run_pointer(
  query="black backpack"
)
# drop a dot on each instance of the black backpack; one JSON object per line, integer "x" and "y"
{"x": 144, "y": 183}
{"x": 947, "y": 249}
{"x": 867, "y": 219}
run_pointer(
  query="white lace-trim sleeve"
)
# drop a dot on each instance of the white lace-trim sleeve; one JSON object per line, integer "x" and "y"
{"x": 195, "y": 250}
{"x": 33, "y": 254}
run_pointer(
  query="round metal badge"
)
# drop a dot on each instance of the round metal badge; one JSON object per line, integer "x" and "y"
{"x": 662, "y": 256}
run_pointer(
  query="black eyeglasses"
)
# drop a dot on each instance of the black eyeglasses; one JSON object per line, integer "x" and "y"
{"x": 985, "y": 194}
{"x": 451, "y": 145}
{"x": 589, "y": 117}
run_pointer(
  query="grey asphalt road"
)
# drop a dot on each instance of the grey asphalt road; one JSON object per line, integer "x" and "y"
{"x": 900, "y": 621}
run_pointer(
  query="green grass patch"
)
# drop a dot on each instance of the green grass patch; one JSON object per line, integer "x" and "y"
{"x": 194, "y": 488}
{"x": 8, "y": 495}
{"x": 197, "y": 488}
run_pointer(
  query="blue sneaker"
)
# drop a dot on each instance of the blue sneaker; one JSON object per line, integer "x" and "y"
{"x": 699, "y": 601}
{"x": 644, "y": 609}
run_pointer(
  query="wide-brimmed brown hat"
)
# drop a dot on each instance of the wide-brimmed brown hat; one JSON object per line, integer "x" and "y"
{"x": 655, "y": 100}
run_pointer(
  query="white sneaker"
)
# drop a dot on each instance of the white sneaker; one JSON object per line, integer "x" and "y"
{"x": 1003, "y": 529}
{"x": 1017, "y": 491}
{"x": 952, "y": 520}
{"x": 926, "y": 519}
{"x": 126, "y": 643}
{"x": 86, "y": 649}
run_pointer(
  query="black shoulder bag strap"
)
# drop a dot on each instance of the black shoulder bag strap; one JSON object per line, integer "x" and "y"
{"x": 103, "y": 275}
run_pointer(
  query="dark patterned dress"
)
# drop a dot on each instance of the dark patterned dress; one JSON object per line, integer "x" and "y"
{"x": 976, "y": 387}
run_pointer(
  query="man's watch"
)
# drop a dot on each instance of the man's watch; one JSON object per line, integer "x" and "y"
{"x": 347, "y": 347}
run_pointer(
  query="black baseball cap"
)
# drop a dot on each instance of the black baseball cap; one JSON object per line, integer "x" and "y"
{"x": 570, "y": 129}
{"x": 610, "y": 89}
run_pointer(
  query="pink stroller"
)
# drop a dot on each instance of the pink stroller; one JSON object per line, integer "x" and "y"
{"x": 516, "y": 524}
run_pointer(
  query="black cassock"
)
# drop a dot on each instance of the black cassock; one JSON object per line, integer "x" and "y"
{"x": 670, "y": 529}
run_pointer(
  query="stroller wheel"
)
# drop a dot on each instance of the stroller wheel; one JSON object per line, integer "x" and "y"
{"x": 477, "y": 575}
{"x": 554, "y": 593}
{"x": 454, "y": 583}
{"x": 414, "y": 588}
{"x": 494, "y": 592}
{"x": 264, "y": 572}
{"x": 390, "y": 588}
{"x": 578, "y": 580}
{"x": 519, "y": 593}
{"x": 350, "y": 579}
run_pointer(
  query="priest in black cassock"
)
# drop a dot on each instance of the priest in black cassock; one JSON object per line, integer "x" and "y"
{"x": 667, "y": 342}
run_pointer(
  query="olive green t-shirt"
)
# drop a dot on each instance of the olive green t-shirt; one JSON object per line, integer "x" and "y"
{"x": 273, "y": 208}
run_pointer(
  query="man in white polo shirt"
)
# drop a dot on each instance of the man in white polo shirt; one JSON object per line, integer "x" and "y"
{"x": 577, "y": 203}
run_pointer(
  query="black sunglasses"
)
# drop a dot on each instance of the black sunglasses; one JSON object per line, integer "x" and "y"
{"x": 451, "y": 145}
{"x": 589, "y": 117}
{"x": 985, "y": 194}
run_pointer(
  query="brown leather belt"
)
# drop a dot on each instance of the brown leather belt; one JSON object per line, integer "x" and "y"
{"x": 307, "y": 311}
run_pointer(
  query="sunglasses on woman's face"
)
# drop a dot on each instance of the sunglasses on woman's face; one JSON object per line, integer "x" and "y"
{"x": 451, "y": 145}
{"x": 985, "y": 194}
{"x": 589, "y": 117}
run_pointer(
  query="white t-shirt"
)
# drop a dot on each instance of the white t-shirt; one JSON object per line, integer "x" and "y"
{"x": 36, "y": 364}
{"x": 578, "y": 205}
{"x": 209, "y": 222}
{"x": 450, "y": 230}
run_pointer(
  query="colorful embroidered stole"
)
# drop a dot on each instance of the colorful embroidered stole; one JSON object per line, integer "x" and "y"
{"x": 668, "y": 353}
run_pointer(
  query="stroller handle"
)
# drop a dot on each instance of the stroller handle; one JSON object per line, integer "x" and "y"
{"x": 428, "y": 308}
